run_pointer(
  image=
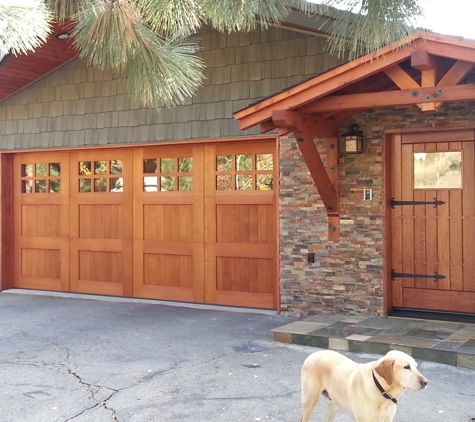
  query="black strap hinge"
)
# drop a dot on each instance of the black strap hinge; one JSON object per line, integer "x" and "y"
{"x": 435, "y": 203}
{"x": 436, "y": 276}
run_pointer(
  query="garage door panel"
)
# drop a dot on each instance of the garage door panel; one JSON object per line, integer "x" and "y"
{"x": 243, "y": 274}
{"x": 101, "y": 216}
{"x": 168, "y": 270}
{"x": 178, "y": 276}
{"x": 105, "y": 270}
{"x": 42, "y": 263}
{"x": 104, "y": 221}
{"x": 41, "y": 223}
{"x": 241, "y": 234}
{"x": 170, "y": 222}
{"x": 48, "y": 214}
{"x": 107, "y": 266}
{"x": 245, "y": 223}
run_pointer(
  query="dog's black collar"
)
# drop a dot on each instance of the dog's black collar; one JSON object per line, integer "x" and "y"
{"x": 384, "y": 393}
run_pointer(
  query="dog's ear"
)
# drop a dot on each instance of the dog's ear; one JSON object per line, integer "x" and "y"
{"x": 384, "y": 369}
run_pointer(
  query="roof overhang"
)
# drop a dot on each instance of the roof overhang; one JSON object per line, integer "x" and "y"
{"x": 425, "y": 70}
{"x": 313, "y": 25}
{"x": 17, "y": 72}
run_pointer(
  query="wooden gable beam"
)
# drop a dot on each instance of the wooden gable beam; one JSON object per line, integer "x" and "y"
{"x": 385, "y": 99}
{"x": 340, "y": 116}
{"x": 404, "y": 81}
{"x": 317, "y": 87}
{"x": 305, "y": 127}
{"x": 457, "y": 51}
{"x": 401, "y": 78}
{"x": 423, "y": 61}
{"x": 456, "y": 73}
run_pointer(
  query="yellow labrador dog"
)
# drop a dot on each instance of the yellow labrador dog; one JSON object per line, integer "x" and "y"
{"x": 366, "y": 392}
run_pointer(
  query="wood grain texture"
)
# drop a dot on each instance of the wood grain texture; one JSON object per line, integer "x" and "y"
{"x": 199, "y": 245}
{"x": 427, "y": 239}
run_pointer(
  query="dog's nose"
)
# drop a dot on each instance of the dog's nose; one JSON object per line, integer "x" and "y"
{"x": 424, "y": 382}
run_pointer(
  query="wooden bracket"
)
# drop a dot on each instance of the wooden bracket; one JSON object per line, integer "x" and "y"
{"x": 305, "y": 127}
{"x": 302, "y": 122}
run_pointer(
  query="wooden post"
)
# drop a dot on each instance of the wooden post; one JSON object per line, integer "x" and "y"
{"x": 333, "y": 174}
{"x": 6, "y": 221}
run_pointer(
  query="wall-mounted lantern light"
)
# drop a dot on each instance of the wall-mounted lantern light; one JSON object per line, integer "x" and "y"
{"x": 353, "y": 140}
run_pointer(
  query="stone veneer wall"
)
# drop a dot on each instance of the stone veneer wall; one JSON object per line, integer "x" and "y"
{"x": 347, "y": 276}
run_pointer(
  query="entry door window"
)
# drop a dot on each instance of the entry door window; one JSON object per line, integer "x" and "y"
{"x": 438, "y": 170}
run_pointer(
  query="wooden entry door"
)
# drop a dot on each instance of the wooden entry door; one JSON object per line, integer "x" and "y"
{"x": 433, "y": 228}
{"x": 240, "y": 225}
{"x": 101, "y": 222}
{"x": 41, "y": 223}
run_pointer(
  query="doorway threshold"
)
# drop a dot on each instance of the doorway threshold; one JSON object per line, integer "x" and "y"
{"x": 433, "y": 315}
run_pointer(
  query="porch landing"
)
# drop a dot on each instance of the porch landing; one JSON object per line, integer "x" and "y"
{"x": 437, "y": 341}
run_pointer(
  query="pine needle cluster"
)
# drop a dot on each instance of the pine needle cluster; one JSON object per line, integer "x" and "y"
{"x": 153, "y": 43}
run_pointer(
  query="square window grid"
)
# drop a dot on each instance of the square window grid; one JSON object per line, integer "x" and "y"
{"x": 101, "y": 176}
{"x": 40, "y": 178}
{"x": 168, "y": 174}
{"x": 244, "y": 172}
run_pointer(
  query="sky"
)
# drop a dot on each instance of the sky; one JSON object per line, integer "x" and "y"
{"x": 449, "y": 17}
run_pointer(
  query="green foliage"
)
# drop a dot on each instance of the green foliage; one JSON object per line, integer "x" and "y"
{"x": 364, "y": 26}
{"x": 23, "y": 29}
{"x": 148, "y": 41}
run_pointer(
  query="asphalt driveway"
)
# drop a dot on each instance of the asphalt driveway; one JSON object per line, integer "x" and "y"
{"x": 88, "y": 360}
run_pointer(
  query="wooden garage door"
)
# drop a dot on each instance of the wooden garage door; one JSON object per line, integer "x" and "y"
{"x": 433, "y": 223}
{"x": 168, "y": 223}
{"x": 189, "y": 223}
{"x": 101, "y": 222}
{"x": 240, "y": 227}
{"x": 41, "y": 222}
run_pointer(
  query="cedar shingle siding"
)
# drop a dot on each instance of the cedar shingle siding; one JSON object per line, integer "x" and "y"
{"x": 76, "y": 106}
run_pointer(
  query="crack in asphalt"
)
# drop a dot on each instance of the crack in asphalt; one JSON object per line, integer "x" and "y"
{"x": 70, "y": 368}
{"x": 104, "y": 402}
